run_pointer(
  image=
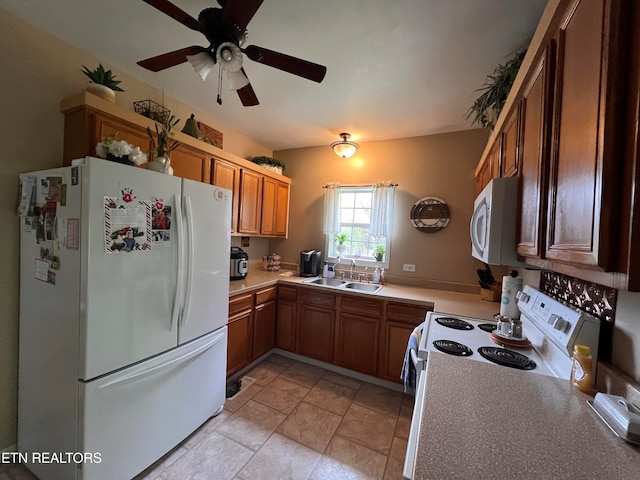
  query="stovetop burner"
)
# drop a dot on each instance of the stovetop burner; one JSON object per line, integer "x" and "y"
{"x": 453, "y": 348}
{"x": 456, "y": 323}
{"x": 488, "y": 327}
{"x": 508, "y": 358}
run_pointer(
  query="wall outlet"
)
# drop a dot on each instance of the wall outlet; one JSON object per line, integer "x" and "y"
{"x": 409, "y": 267}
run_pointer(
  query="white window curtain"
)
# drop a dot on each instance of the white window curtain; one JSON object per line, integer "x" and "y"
{"x": 331, "y": 221}
{"x": 382, "y": 209}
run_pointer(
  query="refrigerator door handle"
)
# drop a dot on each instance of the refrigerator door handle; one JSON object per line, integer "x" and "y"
{"x": 167, "y": 364}
{"x": 189, "y": 241}
{"x": 180, "y": 270}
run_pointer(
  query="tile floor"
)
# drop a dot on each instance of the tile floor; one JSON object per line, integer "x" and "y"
{"x": 298, "y": 422}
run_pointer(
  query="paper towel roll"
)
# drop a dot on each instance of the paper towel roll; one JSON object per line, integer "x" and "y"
{"x": 508, "y": 304}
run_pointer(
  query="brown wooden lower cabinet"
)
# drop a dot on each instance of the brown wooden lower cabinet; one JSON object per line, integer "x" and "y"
{"x": 366, "y": 335}
{"x": 240, "y": 329}
{"x": 357, "y": 343}
{"x": 286, "y": 325}
{"x": 400, "y": 320}
{"x": 264, "y": 322}
{"x": 239, "y": 341}
{"x": 316, "y": 329}
{"x": 287, "y": 317}
{"x": 357, "y": 334}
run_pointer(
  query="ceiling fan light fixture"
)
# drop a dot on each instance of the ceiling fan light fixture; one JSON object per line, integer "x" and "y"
{"x": 237, "y": 80}
{"x": 344, "y": 148}
{"x": 229, "y": 56}
{"x": 202, "y": 63}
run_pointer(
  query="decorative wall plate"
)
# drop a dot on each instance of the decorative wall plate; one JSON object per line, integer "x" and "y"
{"x": 430, "y": 214}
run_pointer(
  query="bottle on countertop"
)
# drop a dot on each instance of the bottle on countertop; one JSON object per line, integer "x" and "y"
{"x": 376, "y": 276}
{"x": 382, "y": 276}
{"x": 581, "y": 368}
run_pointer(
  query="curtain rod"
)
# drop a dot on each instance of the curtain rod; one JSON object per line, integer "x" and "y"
{"x": 327, "y": 185}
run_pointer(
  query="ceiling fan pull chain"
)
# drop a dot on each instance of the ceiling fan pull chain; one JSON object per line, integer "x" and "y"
{"x": 219, "y": 99}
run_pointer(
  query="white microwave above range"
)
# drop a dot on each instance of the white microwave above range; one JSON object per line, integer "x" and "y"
{"x": 493, "y": 223}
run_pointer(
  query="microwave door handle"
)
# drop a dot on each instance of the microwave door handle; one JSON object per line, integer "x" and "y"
{"x": 479, "y": 214}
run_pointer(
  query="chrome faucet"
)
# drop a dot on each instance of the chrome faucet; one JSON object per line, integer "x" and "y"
{"x": 353, "y": 265}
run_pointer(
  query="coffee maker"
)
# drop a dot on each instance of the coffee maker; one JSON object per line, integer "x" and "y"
{"x": 310, "y": 263}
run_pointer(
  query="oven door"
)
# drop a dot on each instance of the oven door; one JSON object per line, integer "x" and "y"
{"x": 416, "y": 420}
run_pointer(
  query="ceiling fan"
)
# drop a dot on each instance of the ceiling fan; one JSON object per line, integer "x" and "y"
{"x": 226, "y": 31}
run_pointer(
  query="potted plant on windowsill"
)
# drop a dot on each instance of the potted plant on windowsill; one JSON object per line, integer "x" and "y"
{"x": 270, "y": 163}
{"x": 103, "y": 83}
{"x": 378, "y": 252}
{"x": 340, "y": 238}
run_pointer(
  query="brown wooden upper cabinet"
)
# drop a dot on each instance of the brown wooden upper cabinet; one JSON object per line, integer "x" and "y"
{"x": 250, "y": 202}
{"x": 585, "y": 161}
{"x": 510, "y": 137}
{"x": 190, "y": 163}
{"x": 227, "y": 175}
{"x": 275, "y": 208}
{"x": 536, "y": 137}
{"x": 489, "y": 168}
{"x": 578, "y": 147}
{"x": 89, "y": 119}
{"x": 85, "y": 127}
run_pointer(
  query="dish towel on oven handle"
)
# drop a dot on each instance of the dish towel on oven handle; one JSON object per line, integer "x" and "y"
{"x": 408, "y": 374}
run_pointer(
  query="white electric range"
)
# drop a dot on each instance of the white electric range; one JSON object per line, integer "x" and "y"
{"x": 550, "y": 329}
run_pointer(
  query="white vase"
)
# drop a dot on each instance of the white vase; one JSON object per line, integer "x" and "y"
{"x": 340, "y": 248}
{"x": 161, "y": 164}
{"x": 102, "y": 91}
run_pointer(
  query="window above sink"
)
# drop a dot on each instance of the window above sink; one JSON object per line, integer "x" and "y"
{"x": 353, "y": 209}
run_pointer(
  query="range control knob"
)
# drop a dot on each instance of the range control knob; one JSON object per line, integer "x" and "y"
{"x": 522, "y": 297}
{"x": 558, "y": 322}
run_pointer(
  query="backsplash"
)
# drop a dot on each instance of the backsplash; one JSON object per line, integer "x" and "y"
{"x": 592, "y": 298}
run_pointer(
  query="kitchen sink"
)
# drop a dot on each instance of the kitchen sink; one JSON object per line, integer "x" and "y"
{"x": 329, "y": 282}
{"x": 363, "y": 287}
{"x": 345, "y": 284}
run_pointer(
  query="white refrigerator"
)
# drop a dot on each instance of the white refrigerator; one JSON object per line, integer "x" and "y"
{"x": 124, "y": 291}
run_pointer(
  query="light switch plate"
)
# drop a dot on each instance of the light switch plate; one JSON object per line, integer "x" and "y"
{"x": 408, "y": 267}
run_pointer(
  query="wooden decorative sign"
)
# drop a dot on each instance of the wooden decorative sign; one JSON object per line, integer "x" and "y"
{"x": 210, "y": 135}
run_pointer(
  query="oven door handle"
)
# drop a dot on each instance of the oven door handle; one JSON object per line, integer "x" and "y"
{"x": 414, "y": 432}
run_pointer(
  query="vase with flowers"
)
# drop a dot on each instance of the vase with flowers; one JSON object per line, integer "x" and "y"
{"x": 120, "y": 151}
{"x": 161, "y": 146}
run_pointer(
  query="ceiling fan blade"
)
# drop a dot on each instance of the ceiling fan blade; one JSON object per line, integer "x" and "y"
{"x": 176, "y": 13}
{"x": 170, "y": 59}
{"x": 287, "y": 63}
{"x": 247, "y": 94}
{"x": 240, "y": 12}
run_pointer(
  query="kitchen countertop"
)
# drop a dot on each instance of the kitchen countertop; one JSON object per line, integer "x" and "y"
{"x": 443, "y": 301}
{"x": 506, "y": 424}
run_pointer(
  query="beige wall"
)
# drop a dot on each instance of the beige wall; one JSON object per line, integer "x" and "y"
{"x": 37, "y": 71}
{"x": 438, "y": 165}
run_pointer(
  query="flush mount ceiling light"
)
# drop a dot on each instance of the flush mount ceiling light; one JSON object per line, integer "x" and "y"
{"x": 344, "y": 148}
